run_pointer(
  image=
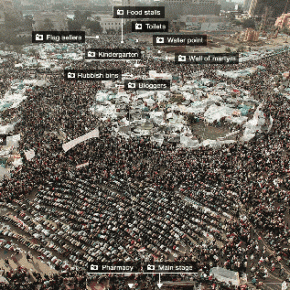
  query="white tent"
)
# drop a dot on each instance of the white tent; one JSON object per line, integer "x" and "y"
{"x": 215, "y": 112}
{"x": 3, "y": 280}
{"x": 153, "y": 74}
{"x": 224, "y": 275}
{"x": 187, "y": 142}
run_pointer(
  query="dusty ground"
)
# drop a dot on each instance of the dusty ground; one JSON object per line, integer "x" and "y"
{"x": 20, "y": 260}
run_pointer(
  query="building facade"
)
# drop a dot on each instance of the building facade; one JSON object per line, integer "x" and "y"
{"x": 227, "y": 6}
{"x": 252, "y": 8}
{"x": 175, "y": 8}
{"x": 251, "y": 35}
{"x": 283, "y": 21}
{"x": 107, "y": 22}
{"x": 257, "y": 7}
{"x": 203, "y": 22}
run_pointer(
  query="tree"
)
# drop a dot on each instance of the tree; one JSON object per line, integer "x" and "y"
{"x": 228, "y": 49}
{"x": 177, "y": 28}
{"x": 74, "y": 25}
{"x": 47, "y": 25}
{"x": 94, "y": 26}
{"x": 241, "y": 49}
{"x": 87, "y": 14}
{"x": 28, "y": 21}
{"x": 231, "y": 16}
{"x": 11, "y": 21}
{"x": 81, "y": 17}
{"x": 2, "y": 35}
{"x": 249, "y": 23}
{"x": 127, "y": 27}
{"x": 237, "y": 22}
{"x": 12, "y": 39}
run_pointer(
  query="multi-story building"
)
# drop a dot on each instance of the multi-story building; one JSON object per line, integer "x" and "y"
{"x": 107, "y": 22}
{"x": 283, "y": 21}
{"x": 252, "y": 7}
{"x": 203, "y": 22}
{"x": 247, "y": 4}
{"x": 257, "y": 7}
{"x": 227, "y": 5}
{"x": 176, "y": 8}
{"x": 9, "y": 12}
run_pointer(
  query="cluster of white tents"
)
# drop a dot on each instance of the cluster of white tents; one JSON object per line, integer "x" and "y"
{"x": 202, "y": 97}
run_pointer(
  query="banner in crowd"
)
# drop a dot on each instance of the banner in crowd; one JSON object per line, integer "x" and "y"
{"x": 271, "y": 123}
{"x": 67, "y": 146}
{"x": 29, "y": 154}
{"x": 82, "y": 165}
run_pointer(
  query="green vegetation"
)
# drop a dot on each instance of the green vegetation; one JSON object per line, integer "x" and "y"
{"x": 27, "y": 22}
{"x": 81, "y": 17}
{"x": 237, "y": 22}
{"x": 47, "y": 25}
{"x": 241, "y": 49}
{"x": 249, "y": 23}
{"x": 74, "y": 25}
{"x": 127, "y": 27}
{"x": 12, "y": 21}
{"x": 9, "y": 37}
{"x": 177, "y": 99}
{"x": 94, "y": 26}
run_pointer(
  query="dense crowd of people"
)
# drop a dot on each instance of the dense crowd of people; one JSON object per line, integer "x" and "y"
{"x": 223, "y": 207}
{"x": 22, "y": 278}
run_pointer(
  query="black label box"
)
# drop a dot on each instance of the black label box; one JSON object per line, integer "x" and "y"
{"x": 207, "y": 58}
{"x": 139, "y": 12}
{"x": 111, "y": 268}
{"x": 58, "y": 36}
{"x": 180, "y": 40}
{"x": 92, "y": 75}
{"x": 147, "y": 85}
{"x": 103, "y": 53}
{"x": 149, "y": 26}
{"x": 170, "y": 267}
